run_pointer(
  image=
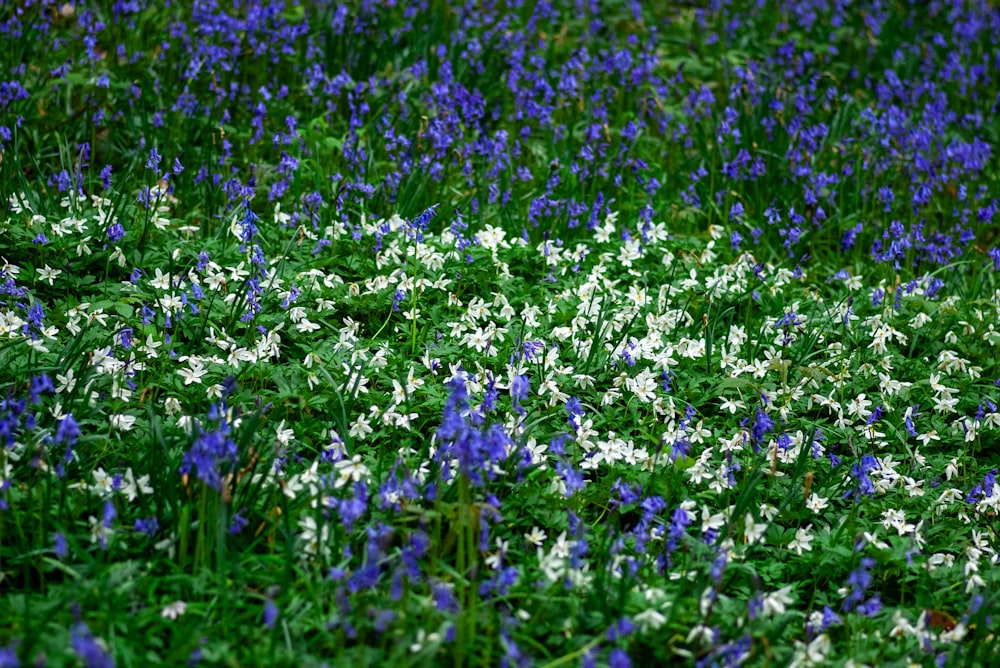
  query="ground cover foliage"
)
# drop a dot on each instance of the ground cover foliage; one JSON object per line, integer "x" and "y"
{"x": 573, "y": 333}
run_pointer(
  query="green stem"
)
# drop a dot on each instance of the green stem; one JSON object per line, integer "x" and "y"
{"x": 413, "y": 302}
{"x": 566, "y": 658}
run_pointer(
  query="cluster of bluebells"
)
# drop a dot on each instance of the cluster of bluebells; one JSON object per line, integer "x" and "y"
{"x": 859, "y": 582}
{"x": 497, "y": 89}
{"x": 214, "y": 453}
{"x": 465, "y": 442}
{"x": 519, "y": 138}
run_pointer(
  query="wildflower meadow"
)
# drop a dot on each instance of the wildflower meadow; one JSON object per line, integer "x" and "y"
{"x": 517, "y": 333}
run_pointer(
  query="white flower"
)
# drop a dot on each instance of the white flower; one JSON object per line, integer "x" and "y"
{"x": 859, "y": 406}
{"x": 422, "y": 638}
{"x": 174, "y": 610}
{"x": 98, "y": 531}
{"x": 495, "y": 560}
{"x": 536, "y": 536}
{"x": 284, "y": 436}
{"x": 49, "y": 274}
{"x": 754, "y": 530}
{"x": 816, "y": 503}
{"x": 643, "y": 386}
{"x": 351, "y": 469}
{"x": 876, "y": 541}
{"x": 103, "y": 483}
{"x": 812, "y": 655}
{"x": 802, "y": 541}
{"x": 932, "y": 435}
{"x": 192, "y": 374}
{"x": 316, "y": 540}
{"x": 131, "y": 486}
{"x": 398, "y": 393}
{"x": 306, "y": 325}
{"x": 123, "y": 422}
{"x": 775, "y": 603}
{"x": 65, "y": 383}
{"x": 360, "y": 428}
{"x": 649, "y": 620}
{"x": 732, "y": 406}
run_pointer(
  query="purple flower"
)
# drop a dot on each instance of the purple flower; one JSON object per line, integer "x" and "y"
{"x": 859, "y": 581}
{"x": 763, "y": 424}
{"x": 520, "y": 387}
{"x": 860, "y": 473}
{"x": 238, "y": 524}
{"x": 60, "y": 546}
{"x": 444, "y": 598}
{"x": 679, "y": 449}
{"x": 116, "y": 232}
{"x": 397, "y": 299}
{"x": 89, "y": 649}
{"x": 619, "y": 659}
{"x": 108, "y": 514}
{"x": 736, "y": 211}
{"x": 575, "y": 411}
{"x": 147, "y": 526}
{"x": 572, "y": 478}
{"x": 679, "y": 522}
{"x": 353, "y": 507}
{"x": 8, "y": 656}
{"x": 620, "y": 629}
{"x": 531, "y": 348}
{"x": 463, "y": 439}
{"x": 154, "y": 159}
{"x": 214, "y": 453}
{"x": 627, "y": 494}
{"x": 40, "y": 384}
{"x": 270, "y": 615}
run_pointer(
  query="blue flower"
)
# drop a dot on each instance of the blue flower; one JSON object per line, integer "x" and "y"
{"x": 89, "y": 649}
{"x": 270, "y": 615}
{"x": 214, "y": 453}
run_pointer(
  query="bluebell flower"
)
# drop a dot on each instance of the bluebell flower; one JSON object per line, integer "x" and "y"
{"x": 417, "y": 547}
{"x": 59, "y": 545}
{"x": 91, "y": 651}
{"x": 353, "y": 507}
{"x": 859, "y": 580}
{"x": 238, "y": 524}
{"x": 462, "y": 439}
{"x": 762, "y": 425}
{"x": 444, "y": 598}
{"x": 679, "y": 521}
{"x": 8, "y": 655}
{"x": 270, "y": 614}
{"x": 860, "y": 473}
{"x": 39, "y": 385}
{"x": 147, "y": 526}
{"x": 572, "y": 478}
{"x": 115, "y": 232}
{"x": 153, "y": 162}
{"x": 214, "y": 453}
{"x": 619, "y": 659}
{"x": 520, "y": 387}
{"x": 620, "y": 629}
{"x": 627, "y": 493}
